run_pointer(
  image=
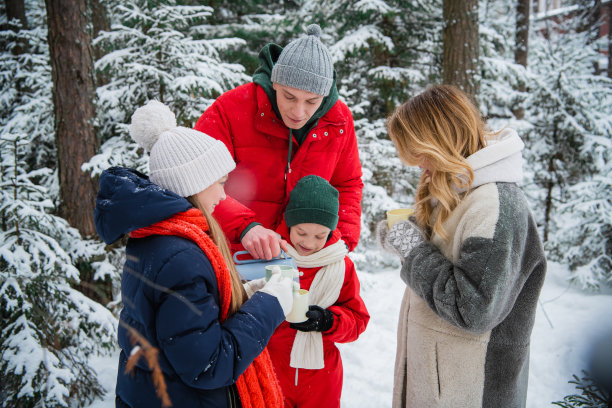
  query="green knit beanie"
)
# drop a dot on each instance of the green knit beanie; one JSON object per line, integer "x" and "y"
{"x": 313, "y": 200}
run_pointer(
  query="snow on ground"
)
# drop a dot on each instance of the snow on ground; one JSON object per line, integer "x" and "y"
{"x": 568, "y": 321}
{"x": 368, "y": 362}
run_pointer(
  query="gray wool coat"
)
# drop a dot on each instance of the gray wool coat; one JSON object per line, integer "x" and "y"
{"x": 469, "y": 307}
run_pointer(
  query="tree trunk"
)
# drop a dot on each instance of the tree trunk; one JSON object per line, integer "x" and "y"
{"x": 460, "y": 45}
{"x": 73, "y": 93}
{"x": 609, "y": 22}
{"x": 521, "y": 47}
{"x": 548, "y": 206}
{"x": 99, "y": 17}
{"x": 100, "y": 22}
{"x": 592, "y": 10}
{"x": 16, "y": 9}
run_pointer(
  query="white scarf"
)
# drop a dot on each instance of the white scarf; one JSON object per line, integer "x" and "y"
{"x": 307, "y": 350}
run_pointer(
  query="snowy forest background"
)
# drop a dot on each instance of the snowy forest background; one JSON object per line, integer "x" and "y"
{"x": 73, "y": 72}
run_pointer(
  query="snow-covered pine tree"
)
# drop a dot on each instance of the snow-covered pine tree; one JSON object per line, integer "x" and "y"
{"x": 583, "y": 238}
{"x": 49, "y": 329}
{"x": 25, "y": 84}
{"x": 157, "y": 50}
{"x": 571, "y": 110}
{"x": 257, "y": 23}
{"x": 498, "y": 95}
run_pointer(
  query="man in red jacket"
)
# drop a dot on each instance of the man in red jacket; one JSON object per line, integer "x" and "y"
{"x": 286, "y": 124}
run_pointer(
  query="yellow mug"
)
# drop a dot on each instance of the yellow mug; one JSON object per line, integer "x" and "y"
{"x": 397, "y": 215}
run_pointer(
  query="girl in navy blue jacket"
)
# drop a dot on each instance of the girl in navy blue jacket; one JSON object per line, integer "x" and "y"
{"x": 180, "y": 290}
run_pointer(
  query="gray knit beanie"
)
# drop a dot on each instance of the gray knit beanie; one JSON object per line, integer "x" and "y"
{"x": 305, "y": 64}
{"x": 182, "y": 160}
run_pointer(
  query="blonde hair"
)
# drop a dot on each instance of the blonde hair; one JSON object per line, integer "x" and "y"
{"x": 442, "y": 127}
{"x": 239, "y": 295}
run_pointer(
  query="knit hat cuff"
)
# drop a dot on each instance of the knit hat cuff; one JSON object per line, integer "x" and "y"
{"x": 311, "y": 215}
{"x": 299, "y": 78}
{"x": 195, "y": 176}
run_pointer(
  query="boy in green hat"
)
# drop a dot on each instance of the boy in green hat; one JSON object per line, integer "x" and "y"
{"x": 336, "y": 313}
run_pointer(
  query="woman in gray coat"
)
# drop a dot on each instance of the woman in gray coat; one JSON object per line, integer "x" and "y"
{"x": 471, "y": 258}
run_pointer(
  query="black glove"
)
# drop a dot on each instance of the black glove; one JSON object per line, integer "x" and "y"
{"x": 319, "y": 319}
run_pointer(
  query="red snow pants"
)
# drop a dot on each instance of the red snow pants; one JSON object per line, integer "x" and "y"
{"x": 315, "y": 388}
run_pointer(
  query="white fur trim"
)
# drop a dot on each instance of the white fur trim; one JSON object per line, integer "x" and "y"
{"x": 501, "y": 161}
{"x": 507, "y": 143}
{"x": 509, "y": 170}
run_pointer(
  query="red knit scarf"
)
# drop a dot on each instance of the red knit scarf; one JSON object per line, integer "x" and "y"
{"x": 257, "y": 386}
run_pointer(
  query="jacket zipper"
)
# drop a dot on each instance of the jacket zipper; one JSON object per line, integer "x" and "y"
{"x": 232, "y": 394}
{"x": 288, "y": 168}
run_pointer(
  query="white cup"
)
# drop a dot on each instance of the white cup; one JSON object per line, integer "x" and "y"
{"x": 301, "y": 301}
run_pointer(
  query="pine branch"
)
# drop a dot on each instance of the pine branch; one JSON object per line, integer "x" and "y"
{"x": 591, "y": 394}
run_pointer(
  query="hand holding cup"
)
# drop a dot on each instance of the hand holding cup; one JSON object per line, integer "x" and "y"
{"x": 396, "y": 215}
{"x": 301, "y": 301}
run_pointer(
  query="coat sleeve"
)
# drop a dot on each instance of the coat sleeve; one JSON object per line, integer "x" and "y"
{"x": 233, "y": 217}
{"x": 204, "y": 352}
{"x": 350, "y": 314}
{"x": 347, "y": 180}
{"x": 478, "y": 291}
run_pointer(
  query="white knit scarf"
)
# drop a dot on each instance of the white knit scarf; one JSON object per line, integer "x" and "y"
{"x": 307, "y": 351}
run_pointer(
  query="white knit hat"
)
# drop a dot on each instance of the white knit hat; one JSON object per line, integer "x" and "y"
{"x": 182, "y": 160}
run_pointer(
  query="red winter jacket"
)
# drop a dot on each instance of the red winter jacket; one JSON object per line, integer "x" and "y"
{"x": 257, "y": 191}
{"x": 350, "y": 320}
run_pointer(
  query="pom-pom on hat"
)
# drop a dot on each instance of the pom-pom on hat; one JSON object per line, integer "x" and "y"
{"x": 182, "y": 160}
{"x": 305, "y": 64}
{"x": 313, "y": 200}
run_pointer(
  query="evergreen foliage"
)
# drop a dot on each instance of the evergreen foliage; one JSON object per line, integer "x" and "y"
{"x": 49, "y": 329}
{"x": 583, "y": 239}
{"x": 25, "y": 86}
{"x": 157, "y": 50}
{"x": 591, "y": 395}
{"x": 570, "y": 110}
{"x": 255, "y": 22}
{"x": 500, "y": 75}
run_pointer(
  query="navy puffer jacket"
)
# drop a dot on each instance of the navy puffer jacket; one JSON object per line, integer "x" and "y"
{"x": 170, "y": 296}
